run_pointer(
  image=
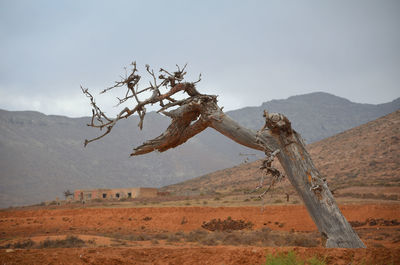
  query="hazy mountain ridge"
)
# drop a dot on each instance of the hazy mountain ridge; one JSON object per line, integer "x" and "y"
{"x": 316, "y": 115}
{"x": 41, "y": 155}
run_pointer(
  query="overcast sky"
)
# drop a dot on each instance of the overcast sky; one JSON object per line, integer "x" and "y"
{"x": 248, "y": 52}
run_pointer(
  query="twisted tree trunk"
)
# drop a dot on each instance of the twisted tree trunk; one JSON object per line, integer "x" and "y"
{"x": 336, "y": 232}
{"x": 277, "y": 137}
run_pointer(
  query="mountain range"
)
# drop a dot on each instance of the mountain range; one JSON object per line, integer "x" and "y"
{"x": 43, "y": 155}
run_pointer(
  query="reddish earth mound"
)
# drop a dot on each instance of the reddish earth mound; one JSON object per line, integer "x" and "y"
{"x": 226, "y": 225}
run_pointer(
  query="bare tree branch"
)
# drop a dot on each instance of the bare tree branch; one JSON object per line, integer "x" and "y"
{"x": 172, "y": 83}
{"x": 187, "y": 121}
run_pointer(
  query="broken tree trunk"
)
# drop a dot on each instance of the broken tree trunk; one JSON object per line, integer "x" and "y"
{"x": 197, "y": 112}
{"x": 277, "y": 134}
{"x": 336, "y": 232}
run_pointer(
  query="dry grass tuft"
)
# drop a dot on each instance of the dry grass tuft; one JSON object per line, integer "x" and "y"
{"x": 68, "y": 242}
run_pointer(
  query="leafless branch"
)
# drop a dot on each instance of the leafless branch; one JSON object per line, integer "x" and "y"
{"x": 170, "y": 83}
{"x": 272, "y": 121}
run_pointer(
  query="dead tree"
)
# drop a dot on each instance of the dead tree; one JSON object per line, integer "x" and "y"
{"x": 196, "y": 112}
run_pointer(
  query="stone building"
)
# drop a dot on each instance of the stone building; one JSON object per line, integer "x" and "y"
{"x": 86, "y": 195}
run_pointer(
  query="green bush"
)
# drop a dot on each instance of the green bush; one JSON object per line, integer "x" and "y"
{"x": 290, "y": 258}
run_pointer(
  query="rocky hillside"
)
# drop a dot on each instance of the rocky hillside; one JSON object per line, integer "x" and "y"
{"x": 367, "y": 155}
{"x": 41, "y": 156}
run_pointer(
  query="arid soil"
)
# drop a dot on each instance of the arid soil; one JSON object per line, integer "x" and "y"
{"x": 174, "y": 235}
{"x": 193, "y": 255}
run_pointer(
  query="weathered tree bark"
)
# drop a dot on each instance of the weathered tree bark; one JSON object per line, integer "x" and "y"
{"x": 293, "y": 156}
{"x": 313, "y": 189}
{"x": 198, "y": 112}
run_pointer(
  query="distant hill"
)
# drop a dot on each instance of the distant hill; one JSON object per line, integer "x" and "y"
{"x": 41, "y": 156}
{"x": 317, "y": 115}
{"x": 367, "y": 155}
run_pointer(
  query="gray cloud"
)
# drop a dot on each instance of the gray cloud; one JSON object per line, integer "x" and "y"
{"x": 247, "y": 51}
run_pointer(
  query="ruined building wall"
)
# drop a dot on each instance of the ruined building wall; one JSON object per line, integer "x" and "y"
{"x": 148, "y": 192}
{"x": 85, "y": 195}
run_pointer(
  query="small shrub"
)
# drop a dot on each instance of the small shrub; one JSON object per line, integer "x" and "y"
{"x": 68, "y": 242}
{"x": 92, "y": 241}
{"x": 315, "y": 261}
{"x": 303, "y": 241}
{"x": 226, "y": 225}
{"x": 196, "y": 236}
{"x": 6, "y": 246}
{"x": 141, "y": 237}
{"x": 209, "y": 242}
{"x": 173, "y": 238}
{"x": 232, "y": 239}
{"x": 291, "y": 258}
{"x": 161, "y": 236}
{"x": 180, "y": 233}
{"x": 282, "y": 259}
{"x": 24, "y": 244}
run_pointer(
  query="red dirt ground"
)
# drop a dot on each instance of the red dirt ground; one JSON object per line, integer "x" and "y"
{"x": 382, "y": 241}
{"x": 192, "y": 255}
